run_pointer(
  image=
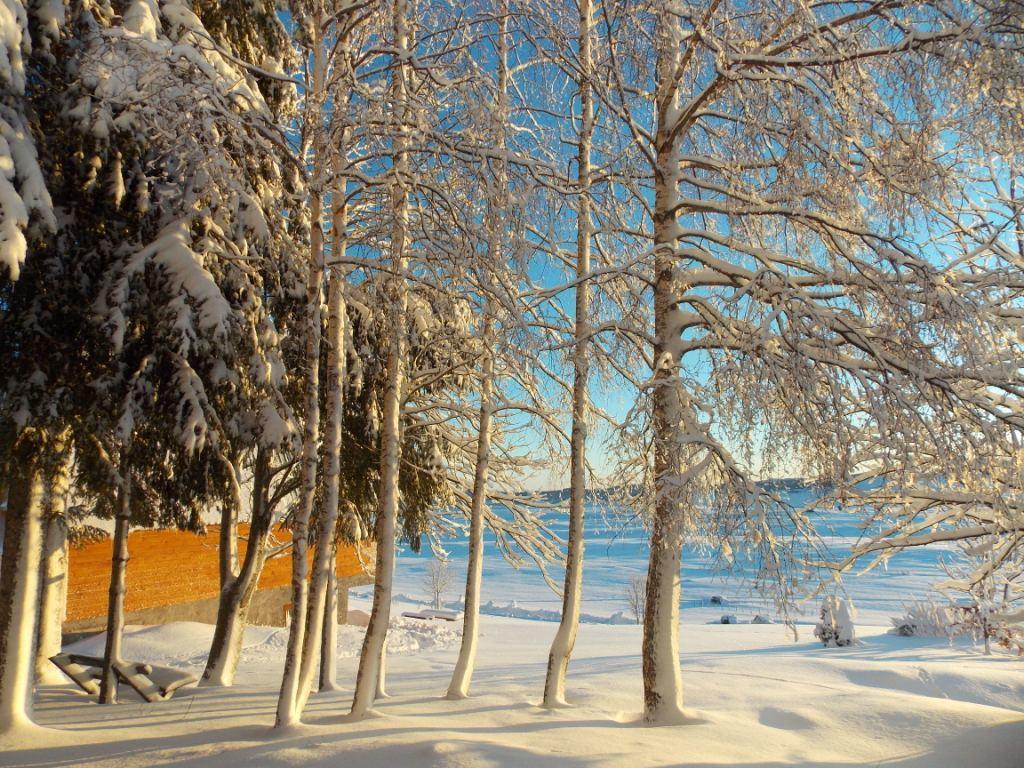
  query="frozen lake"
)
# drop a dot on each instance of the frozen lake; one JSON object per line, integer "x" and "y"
{"x": 617, "y": 551}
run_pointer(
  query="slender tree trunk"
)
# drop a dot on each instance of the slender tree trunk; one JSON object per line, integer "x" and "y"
{"x": 19, "y": 596}
{"x": 342, "y": 605}
{"x": 54, "y": 570}
{"x": 329, "y": 646}
{"x": 236, "y": 596}
{"x": 371, "y": 656}
{"x": 382, "y": 672}
{"x": 115, "y": 602}
{"x": 228, "y": 549}
{"x": 663, "y": 689}
{"x": 292, "y": 698}
{"x": 288, "y": 703}
{"x": 464, "y": 666}
{"x": 463, "y": 674}
{"x": 325, "y": 564}
{"x": 565, "y": 637}
{"x": 339, "y": 233}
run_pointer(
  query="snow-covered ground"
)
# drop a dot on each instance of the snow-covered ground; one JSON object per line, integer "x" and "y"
{"x": 757, "y": 697}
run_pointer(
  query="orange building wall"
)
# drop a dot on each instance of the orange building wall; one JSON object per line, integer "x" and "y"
{"x": 168, "y": 567}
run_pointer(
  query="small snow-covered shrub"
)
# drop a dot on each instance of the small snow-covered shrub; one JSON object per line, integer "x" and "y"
{"x": 924, "y": 619}
{"x": 729, "y": 619}
{"x": 836, "y": 625}
{"x": 979, "y": 623}
{"x": 761, "y": 619}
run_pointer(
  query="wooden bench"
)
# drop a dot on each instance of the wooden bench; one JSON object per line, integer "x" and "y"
{"x": 151, "y": 683}
{"x": 85, "y": 671}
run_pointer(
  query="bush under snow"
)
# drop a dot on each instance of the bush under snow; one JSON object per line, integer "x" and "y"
{"x": 836, "y": 625}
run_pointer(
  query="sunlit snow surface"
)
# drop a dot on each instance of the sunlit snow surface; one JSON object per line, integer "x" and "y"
{"x": 616, "y": 552}
{"x": 756, "y": 695}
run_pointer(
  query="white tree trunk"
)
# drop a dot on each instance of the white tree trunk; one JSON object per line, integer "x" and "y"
{"x": 115, "y": 600}
{"x": 463, "y": 674}
{"x": 382, "y": 672}
{"x": 228, "y": 548}
{"x": 288, "y": 709}
{"x": 329, "y": 646}
{"x": 343, "y": 605}
{"x": 19, "y": 606}
{"x": 236, "y": 595}
{"x": 663, "y": 689}
{"x": 371, "y": 656}
{"x": 325, "y": 565}
{"x": 565, "y": 638}
{"x": 54, "y": 588}
{"x": 293, "y": 695}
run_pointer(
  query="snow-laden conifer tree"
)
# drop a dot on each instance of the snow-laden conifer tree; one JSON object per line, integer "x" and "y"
{"x": 170, "y": 199}
{"x": 23, "y": 193}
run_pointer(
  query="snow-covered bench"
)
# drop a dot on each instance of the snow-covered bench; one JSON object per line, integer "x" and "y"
{"x": 84, "y": 671}
{"x": 430, "y": 614}
{"x": 151, "y": 683}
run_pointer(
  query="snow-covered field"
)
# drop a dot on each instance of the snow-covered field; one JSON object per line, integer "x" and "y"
{"x": 756, "y": 696}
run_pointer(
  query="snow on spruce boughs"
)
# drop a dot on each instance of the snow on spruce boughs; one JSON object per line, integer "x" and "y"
{"x": 209, "y": 179}
{"x": 23, "y": 191}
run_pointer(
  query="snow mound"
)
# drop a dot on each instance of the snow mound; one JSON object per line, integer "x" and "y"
{"x": 944, "y": 683}
{"x": 186, "y": 644}
{"x": 177, "y": 644}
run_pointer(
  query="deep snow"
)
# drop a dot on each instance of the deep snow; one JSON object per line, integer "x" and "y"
{"x": 757, "y": 698}
{"x": 756, "y": 695}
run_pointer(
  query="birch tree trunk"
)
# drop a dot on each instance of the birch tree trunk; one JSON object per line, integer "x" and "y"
{"x": 329, "y": 646}
{"x": 663, "y": 690}
{"x": 53, "y": 599}
{"x": 228, "y": 545}
{"x": 565, "y": 637}
{"x": 324, "y": 565}
{"x": 288, "y": 702}
{"x": 336, "y": 417}
{"x": 463, "y": 674}
{"x": 371, "y": 656}
{"x": 236, "y": 595}
{"x": 115, "y": 601}
{"x": 19, "y": 573}
{"x": 292, "y": 698}
{"x": 381, "y": 691}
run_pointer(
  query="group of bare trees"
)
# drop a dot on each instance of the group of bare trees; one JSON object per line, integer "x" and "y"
{"x": 410, "y": 240}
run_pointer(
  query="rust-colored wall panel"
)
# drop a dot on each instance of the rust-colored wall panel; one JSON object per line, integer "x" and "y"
{"x": 167, "y": 567}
